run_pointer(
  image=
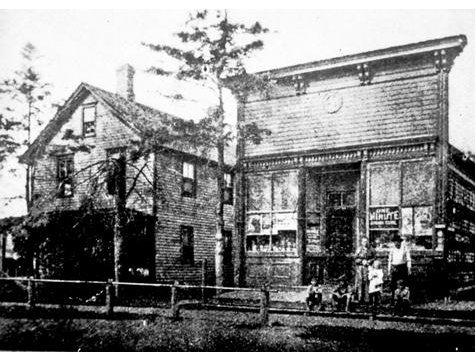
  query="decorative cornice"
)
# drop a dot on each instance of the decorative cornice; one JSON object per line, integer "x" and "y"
{"x": 337, "y": 157}
{"x": 364, "y": 73}
{"x": 453, "y": 43}
{"x": 300, "y": 84}
{"x": 442, "y": 61}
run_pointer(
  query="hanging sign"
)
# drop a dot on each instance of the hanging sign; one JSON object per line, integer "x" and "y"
{"x": 384, "y": 218}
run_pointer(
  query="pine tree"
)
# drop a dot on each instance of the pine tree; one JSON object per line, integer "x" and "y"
{"x": 26, "y": 96}
{"x": 211, "y": 53}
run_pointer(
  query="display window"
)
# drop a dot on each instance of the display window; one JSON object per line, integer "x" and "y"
{"x": 401, "y": 203}
{"x": 272, "y": 212}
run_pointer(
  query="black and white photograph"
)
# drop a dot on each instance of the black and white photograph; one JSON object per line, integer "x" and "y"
{"x": 218, "y": 178}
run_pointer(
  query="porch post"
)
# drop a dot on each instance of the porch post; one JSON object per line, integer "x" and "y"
{"x": 362, "y": 201}
{"x": 301, "y": 219}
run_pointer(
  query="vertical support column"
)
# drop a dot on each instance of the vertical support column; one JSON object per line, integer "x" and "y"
{"x": 301, "y": 218}
{"x": 362, "y": 206}
{"x": 3, "y": 245}
{"x": 442, "y": 150}
{"x": 264, "y": 307}
{"x": 109, "y": 298}
{"x": 174, "y": 309}
{"x": 238, "y": 250}
{"x": 31, "y": 293}
{"x": 204, "y": 280}
{"x": 155, "y": 208}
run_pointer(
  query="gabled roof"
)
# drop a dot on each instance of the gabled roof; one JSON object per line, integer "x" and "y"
{"x": 131, "y": 113}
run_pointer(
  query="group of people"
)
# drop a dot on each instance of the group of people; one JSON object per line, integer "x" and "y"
{"x": 369, "y": 280}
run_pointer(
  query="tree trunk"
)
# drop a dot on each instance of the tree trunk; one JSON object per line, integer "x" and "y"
{"x": 119, "y": 219}
{"x": 220, "y": 223}
{"x": 27, "y": 188}
{"x": 28, "y": 169}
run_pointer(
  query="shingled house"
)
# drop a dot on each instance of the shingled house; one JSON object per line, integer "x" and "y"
{"x": 174, "y": 231}
{"x": 359, "y": 147}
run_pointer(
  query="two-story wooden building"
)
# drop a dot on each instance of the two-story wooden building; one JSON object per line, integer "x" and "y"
{"x": 359, "y": 147}
{"x": 174, "y": 191}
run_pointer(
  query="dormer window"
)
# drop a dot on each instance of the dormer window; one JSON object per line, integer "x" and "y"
{"x": 89, "y": 120}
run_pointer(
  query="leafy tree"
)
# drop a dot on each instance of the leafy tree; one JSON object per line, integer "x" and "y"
{"x": 211, "y": 53}
{"x": 24, "y": 98}
{"x": 94, "y": 226}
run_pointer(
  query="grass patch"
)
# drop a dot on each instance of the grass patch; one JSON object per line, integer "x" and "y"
{"x": 218, "y": 331}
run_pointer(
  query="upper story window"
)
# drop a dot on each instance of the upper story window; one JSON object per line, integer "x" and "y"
{"x": 116, "y": 170}
{"x": 189, "y": 182}
{"x": 65, "y": 170}
{"x": 228, "y": 190}
{"x": 89, "y": 120}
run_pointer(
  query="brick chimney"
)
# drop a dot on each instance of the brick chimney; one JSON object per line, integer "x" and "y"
{"x": 125, "y": 81}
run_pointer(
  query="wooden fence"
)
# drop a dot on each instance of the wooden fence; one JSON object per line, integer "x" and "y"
{"x": 200, "y": 299}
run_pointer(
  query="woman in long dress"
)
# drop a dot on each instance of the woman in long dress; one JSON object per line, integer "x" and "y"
{"x": 363, "y": 258}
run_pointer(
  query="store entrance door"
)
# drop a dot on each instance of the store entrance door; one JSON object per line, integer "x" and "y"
{"x": 339, "y": 243}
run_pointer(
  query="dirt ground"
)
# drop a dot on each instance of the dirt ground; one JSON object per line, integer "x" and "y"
{"x": 229, "y": 331}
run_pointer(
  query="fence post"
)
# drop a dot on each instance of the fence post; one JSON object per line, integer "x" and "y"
{"x": 31, "y": 293}
{"x": 264, "y": 306}
{"x": 109, "y": 298}
{"x": 174, "y": 302}
{"x": 204, "y": 280}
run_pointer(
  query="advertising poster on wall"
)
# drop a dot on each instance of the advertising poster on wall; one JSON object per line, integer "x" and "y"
{"x": 407, "y": 221}
{"x": 285, "y": 222}
{"x": 254, "y": 224}
{"x": 423, "y": 221}
{"x": 265, "y": 223}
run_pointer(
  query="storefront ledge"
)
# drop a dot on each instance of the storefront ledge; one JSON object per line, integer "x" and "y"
{"x": 415, "y": 252}
{"x": 252, "y": 254}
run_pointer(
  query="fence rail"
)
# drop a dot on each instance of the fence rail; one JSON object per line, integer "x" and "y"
{"x": 108, "y": 296}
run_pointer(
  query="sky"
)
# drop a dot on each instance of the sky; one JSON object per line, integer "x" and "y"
{"x": 89, "y": 45}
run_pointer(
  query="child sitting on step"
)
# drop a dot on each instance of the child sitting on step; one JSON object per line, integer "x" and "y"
{"x": 314, "y": 295}
{"x": 402, "y": 298}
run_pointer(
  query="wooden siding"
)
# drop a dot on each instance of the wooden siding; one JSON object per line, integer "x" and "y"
{"x": 110, "y": 133}
{"x": 175, "y": 211}
{"x": 400, "y": 109}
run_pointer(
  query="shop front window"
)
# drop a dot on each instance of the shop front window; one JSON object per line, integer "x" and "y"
{"x": 272, "y": 212}
{"x": 385, "y": 184}
{"x": 401, "y": 198}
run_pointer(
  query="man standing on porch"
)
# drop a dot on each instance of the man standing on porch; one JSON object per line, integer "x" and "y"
{"x": 399, "y": 263}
